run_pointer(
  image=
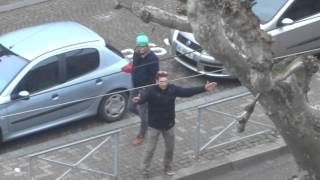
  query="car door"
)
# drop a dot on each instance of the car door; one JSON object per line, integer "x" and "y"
{"x": 33, "y": 112}
{"x": 80, "y": 82}
{"x": 303, "y": 33}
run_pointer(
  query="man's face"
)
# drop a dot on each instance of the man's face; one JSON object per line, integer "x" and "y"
{"x": 162, "y": 82}
{"x": 142, "y": 49}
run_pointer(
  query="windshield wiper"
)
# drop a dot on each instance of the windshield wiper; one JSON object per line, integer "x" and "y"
{"x": 4, "y": 51}
{"x": 252, "y": 2}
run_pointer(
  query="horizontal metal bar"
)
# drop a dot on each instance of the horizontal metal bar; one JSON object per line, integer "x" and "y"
{"x": 223, "y": 113}
{"x": 71, "y": 166}
{"x": 245, "y": 137}
{"x": 232, "y": 116}
{"x": 296, "y": 54}
{"x": 225, "y": 99}
{"x": 75, "y": 143}
{"x": 219, "y": 134}
{"x": 262, "y": 124}
{"x": 98, "y": 96}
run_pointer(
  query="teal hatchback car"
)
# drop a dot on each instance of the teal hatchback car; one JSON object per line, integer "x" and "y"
{"x": 56, "y": 73}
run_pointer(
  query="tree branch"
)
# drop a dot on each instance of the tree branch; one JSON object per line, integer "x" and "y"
{"x": 244, "y": 117}
{"x": 297, "y": 71}
{"x": 182, "y": 7}
{"x": 289, "y": 70}
{"x": 154, "y": 14}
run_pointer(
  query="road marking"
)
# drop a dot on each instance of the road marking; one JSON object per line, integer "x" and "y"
{"x": 17, "y": 170}
{"x": 166, "y": 42}
{"x": 104, "y": 17}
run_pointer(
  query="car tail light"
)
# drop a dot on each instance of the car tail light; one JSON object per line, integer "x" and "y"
{"x": 127, "y": 68}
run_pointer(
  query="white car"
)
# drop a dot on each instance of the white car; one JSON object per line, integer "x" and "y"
{"x": 294, "y": 25}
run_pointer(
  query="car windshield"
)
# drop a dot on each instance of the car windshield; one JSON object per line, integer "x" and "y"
{"x": 10, "y": 66}
{"x": 266, "y": 9}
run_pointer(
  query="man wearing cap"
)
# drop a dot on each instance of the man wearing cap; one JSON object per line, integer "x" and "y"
{"x": 161, "y": 103}
{"x": 144, "y": 69}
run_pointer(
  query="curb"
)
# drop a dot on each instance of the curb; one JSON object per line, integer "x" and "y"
{"x": 20, "y": 4}
{"x": 208, "y": 169}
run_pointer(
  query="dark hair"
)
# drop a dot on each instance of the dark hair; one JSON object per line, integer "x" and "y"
{"x": 161, "y": 74}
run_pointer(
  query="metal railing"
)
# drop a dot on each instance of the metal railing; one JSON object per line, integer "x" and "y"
{"x": 108, "y": 136}
{"x": 200, "y": 148}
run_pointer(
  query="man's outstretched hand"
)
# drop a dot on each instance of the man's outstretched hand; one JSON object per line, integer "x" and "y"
{"x": 210, "y": 86}
{"x": 136, "y": 99}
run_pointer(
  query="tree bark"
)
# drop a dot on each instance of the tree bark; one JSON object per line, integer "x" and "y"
{"x": 154, "y": 14}
{"x": 231, "y": 32}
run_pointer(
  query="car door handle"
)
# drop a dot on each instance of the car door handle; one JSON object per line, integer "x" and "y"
{"x": 99, "y": 82}
{"x": 55, "y": 97}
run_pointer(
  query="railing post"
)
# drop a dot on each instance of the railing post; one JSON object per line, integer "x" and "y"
{"x": 116, "y": 155}
{"x": 30, "y": 169}
{"x": 198, "y": 134}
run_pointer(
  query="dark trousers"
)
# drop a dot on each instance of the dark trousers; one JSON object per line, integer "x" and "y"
{"x": 140, "y": 110}
{"x": 152, "y": 141}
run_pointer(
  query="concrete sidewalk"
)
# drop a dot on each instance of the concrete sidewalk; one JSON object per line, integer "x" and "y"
{"x": 202, "y": 170}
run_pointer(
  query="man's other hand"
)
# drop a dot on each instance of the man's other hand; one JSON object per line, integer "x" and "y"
{"x": 136, "y": 99}
{"x": 210, "y": 86}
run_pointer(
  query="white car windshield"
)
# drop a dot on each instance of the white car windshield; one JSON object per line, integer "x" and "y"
{"x": 10, "y": 66}
{"x": 267, "y": 9}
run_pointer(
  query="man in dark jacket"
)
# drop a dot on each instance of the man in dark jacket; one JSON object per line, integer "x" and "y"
{"x": 145, "y": 67}
{"x": 161, "y": 103}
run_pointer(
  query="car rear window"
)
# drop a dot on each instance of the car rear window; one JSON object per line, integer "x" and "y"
{"x": 80, "y": 62}
{"x": 302, "y": 9}
{"x": 266, "y": 9}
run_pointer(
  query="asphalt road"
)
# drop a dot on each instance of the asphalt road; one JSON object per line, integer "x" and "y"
{"x": 118, "y": 27}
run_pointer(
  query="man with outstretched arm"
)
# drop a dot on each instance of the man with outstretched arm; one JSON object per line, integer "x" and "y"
{"x": 161, "y": 106}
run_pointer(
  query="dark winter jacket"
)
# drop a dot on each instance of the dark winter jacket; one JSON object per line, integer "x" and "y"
{"x": 161, "y": 104}
{"x": 144, "y": 69}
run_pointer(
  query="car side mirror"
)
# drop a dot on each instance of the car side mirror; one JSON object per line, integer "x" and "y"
{"x": 22, "y": 95}
{"x": 287, "y": 21}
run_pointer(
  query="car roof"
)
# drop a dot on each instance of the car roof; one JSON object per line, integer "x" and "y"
{"x": 35, "y": 41}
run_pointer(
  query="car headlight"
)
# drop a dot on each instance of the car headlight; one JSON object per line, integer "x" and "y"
{"x": 205, "y": 53}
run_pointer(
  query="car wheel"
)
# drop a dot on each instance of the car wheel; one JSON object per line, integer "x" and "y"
{"x": 113, "y": 107}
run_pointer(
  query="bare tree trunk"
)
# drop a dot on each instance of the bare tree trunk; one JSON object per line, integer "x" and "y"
{"x": 230, "y": 31}
{"x": 297, "y": 123}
